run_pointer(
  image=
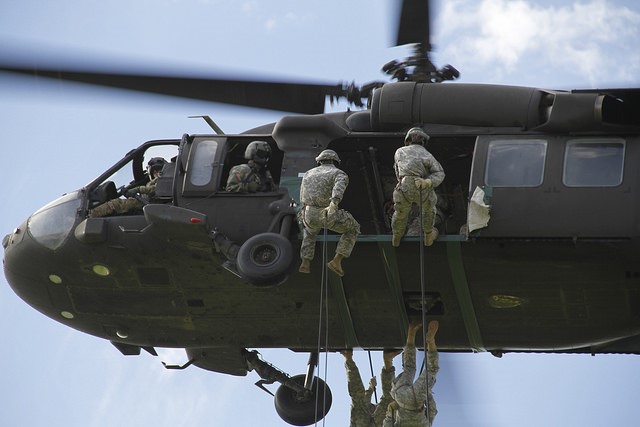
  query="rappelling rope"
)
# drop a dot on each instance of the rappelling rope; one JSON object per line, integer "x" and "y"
{"x": 375, "y": 392}
{"x": 423, "y": 293}
{"x": 324, "y": 298}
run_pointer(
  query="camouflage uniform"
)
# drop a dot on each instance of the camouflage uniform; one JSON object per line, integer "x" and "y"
{"x": 250, "y": 178}
{"x": 121, "y": 206}
{"x": 320, "y": 186}
{"x": 363, "y": 412}
{"x": 410, "y": 162}
{"x": 410, "y": 396}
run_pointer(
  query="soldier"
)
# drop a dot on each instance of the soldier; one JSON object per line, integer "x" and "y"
{"x": 408, "y": 409}
{"x": 321, "y": 191}
{"x": 363, "y": 412}
{"x": 120, "y": 206}
{"x": 254, "y": 175}
{"x": 416, "y": 169}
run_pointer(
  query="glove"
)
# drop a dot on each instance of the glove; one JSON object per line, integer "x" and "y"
{"x": 373, "y": 383}
{"x": 331, "y": 209}
{"x": 423, "y": 183}
{"x": 131, "y": 192}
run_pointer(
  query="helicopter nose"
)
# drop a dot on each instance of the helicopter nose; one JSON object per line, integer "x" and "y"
{"x": 19, "y": 267}
{"x": 30, "y": 252}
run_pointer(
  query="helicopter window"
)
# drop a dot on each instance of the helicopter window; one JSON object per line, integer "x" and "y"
{"x": 593, "y": 163}
{"x": 516, "y": 163}
{"x": 201, "y": 170}
{"x": 167, "y": 152}
{"x": 122, "y": 177}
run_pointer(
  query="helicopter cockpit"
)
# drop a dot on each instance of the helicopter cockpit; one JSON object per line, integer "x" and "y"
{"x": 131, "y": 172}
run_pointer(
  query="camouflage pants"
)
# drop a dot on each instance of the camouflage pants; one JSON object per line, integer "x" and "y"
{"x": 118, "y": 206}
{"x": 411, "y": 395}
{"x": 433, "y": 366}
{"x": 363, "y": 412}
{"x": 340, "y": 222}
{"x": 405, "y": 194}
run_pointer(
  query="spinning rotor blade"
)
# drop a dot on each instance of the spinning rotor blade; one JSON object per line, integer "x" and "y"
{"x": 302, "y": 98}
{"x": 292, "y": 97}
{"x": 413, "y": 27}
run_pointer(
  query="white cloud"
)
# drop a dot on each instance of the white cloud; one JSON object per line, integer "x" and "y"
{"x": 249, "y": 7}
{"x": 575, "y": 38}
{"x": 270, "y": 24}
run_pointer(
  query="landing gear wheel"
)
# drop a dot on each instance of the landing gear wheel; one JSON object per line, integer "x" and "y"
{"x": 264, "y": 259}
{"x": 301, "y": 410}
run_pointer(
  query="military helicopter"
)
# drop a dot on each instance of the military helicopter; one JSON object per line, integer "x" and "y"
{"x": 187, "y": 267}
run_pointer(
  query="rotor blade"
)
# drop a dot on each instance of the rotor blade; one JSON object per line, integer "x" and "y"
{"x": 292, "y": 97}
{"x": 414, "y": 25}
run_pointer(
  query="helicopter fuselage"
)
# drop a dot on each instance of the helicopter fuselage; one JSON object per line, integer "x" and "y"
{"x": 538, "y": 247}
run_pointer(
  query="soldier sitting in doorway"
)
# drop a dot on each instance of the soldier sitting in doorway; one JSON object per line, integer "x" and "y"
{"x": 254, "y": 175}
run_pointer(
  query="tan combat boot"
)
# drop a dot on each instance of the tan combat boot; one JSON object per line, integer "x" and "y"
{"x": 336, "y": 265}
{"x": 395, "y": 241}
{"x": 305, "y": 266}
{"x": 430, "y": 236}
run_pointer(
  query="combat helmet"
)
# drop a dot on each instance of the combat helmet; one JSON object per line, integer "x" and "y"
{"x": 416, "y": 135}
{"x": 155, "y": 164}
{"x": 327, "y": 155}
{"x": 258, "y": 151}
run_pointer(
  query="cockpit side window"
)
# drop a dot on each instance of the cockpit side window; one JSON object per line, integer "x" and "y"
{"x": 593, "y": 162}
{"x": 202, "y": 165}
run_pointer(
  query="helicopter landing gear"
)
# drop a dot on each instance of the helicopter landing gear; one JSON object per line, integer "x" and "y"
{"x": 300, "y": 400}
{"x": 300, "y": 409}
{"x": 265, "y": 259}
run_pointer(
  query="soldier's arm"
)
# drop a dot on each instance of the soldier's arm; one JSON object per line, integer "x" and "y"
{"x": 149, "y": 188}
{"x": 237, "y": 179}
{"x": 436, "y": 172}
{"x": 433, "y": 365}
{"x": 341, "y": 180}
{"x": 272, "y": 185}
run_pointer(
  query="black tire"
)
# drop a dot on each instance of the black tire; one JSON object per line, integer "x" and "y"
{"x": 302, "y": 412}
{"x": 265, "y": 259}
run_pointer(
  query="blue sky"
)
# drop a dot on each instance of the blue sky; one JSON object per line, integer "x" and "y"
{"x": 56, "y": 137}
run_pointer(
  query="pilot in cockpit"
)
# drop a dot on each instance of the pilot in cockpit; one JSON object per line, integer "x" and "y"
{"x": 132, "y": 202}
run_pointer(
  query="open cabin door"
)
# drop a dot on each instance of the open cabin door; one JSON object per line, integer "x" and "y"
{"x": 207, "y": 161}
{"x": 541, "y": 186}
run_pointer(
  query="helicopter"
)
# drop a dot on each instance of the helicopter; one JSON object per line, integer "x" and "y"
{"x": 190, "y": 230}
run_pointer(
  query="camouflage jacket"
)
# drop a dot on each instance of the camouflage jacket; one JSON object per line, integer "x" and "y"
{"x": 149, "y": 188}
{"x": 415, "y": 160}
{"x": 249, "y": 178}
{"x": 323, "y": 184}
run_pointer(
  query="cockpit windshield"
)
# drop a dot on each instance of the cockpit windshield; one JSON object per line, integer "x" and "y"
{"x": 51, "y": 224}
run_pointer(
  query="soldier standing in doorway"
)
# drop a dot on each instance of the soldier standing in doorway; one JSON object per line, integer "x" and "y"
{"x": 418, "y": 173}
{"x": 321, "y": 191}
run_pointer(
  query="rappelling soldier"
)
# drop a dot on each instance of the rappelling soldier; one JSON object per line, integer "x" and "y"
{"x": 413, "y": 403}
{"x": 363, "y": 412}
{"x": 418, "y": 173}
{"x": 321, "y": 191}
